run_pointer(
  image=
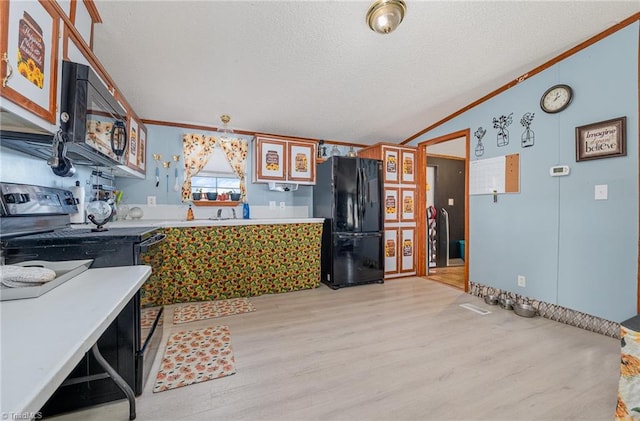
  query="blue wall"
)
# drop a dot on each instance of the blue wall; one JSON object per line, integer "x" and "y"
{"x": 167, "y": 141}
{"x": 16, "y": 167}
{"x": 574, "y": 251}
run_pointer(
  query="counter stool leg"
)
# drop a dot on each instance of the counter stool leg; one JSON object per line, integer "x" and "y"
{"x": 117, "y": 379}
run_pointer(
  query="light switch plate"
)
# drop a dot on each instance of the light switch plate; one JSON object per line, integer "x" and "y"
{"x": 450, "y": 202}
{"x": 282, "y": 205}
{"x": 601, "y": 192}
{"x": 272, "y": 204}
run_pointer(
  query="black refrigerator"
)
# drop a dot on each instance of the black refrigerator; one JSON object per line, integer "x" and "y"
{"x": 348, "y": 194}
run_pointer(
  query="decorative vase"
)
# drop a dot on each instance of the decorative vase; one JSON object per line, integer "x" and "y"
{"x": 503, "y": 137}
{"x": 528, "y": 138}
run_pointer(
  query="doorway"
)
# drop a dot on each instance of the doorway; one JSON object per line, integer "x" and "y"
{"x": 444, "y": 231}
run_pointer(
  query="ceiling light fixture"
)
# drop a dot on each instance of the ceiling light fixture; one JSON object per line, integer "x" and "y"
{"x": 384, "y": 16}
{"x": 225, "y": 129}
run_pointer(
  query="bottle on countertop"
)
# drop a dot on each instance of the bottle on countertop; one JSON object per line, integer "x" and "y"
{"x": 190, "y": 216}
{"x": 245, "y": 210}
{"x": 79, "y": 195}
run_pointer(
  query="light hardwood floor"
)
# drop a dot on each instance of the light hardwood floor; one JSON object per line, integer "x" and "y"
{"x": 404, "y": 350}
{"x": 452, "y": 275}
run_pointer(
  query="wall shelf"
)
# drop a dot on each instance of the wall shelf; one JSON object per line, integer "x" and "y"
{"x": 216, "y": 203}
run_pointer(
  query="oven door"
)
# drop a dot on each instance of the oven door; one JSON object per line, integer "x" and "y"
{"x": 149, "y": 252}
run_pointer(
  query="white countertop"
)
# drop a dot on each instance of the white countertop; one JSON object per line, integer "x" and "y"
{"x": 167, "y": 223}
{"x": 42, "y": 339}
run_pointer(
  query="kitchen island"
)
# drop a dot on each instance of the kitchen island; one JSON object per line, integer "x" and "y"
{"x": 214, "y": 222}
{"x": 44, "y": 338}
{"x": 205, "y": 259}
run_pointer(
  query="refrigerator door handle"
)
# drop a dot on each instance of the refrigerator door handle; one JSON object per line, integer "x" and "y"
{"x": 359, "y": 235}
{"x": 356, "y": 205}
{"x": 361, "y": 197}
{"x": 365, "y": 183}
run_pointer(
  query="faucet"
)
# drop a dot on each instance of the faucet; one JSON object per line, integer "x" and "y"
{"x": 219, "y": 213}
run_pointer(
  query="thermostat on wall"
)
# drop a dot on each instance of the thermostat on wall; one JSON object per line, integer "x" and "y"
{"x": 559, "y": 171}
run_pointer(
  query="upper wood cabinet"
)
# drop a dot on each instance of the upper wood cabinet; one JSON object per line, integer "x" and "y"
{"x": 29, "y": 48}
{"x": 284, "y": 160}
{"x": 400, "y": 219}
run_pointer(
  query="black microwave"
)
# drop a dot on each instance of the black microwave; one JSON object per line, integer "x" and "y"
{"x": 89, "y": 114}
{"x": 92, "y": 122}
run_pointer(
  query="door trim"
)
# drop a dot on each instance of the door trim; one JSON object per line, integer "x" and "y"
{"x": 421, "y": 200}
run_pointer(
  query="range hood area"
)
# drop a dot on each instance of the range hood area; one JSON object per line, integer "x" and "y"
{"x": 39, "y": 146}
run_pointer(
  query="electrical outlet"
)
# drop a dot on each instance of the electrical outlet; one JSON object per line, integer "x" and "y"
{"x": 151, "y": 200}
{"x": 282, "y": 205}
{"x": 272, "y": 204}
{"x": 522, "y": 281}
{"x": 601, "y": 192}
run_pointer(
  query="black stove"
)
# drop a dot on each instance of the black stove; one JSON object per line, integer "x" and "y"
{"x": 35, "y": 225}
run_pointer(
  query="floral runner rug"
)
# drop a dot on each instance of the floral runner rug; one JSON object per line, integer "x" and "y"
{"x": 202, "y": 310}
{"x": 195, "y": 356}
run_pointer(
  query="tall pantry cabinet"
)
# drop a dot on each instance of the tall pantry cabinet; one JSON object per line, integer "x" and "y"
{"x": 399, "y": 176}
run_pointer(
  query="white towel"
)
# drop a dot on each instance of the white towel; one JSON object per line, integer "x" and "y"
{"x": 20, "y": 276}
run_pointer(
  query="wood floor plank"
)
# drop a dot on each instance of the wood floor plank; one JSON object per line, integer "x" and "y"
{"x": 404, "y": 350}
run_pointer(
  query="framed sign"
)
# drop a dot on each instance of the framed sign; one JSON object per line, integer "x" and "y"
{"x": 604, "y": 139}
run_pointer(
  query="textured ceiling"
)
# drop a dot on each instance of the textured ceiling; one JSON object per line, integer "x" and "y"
{"x": 314, "y": 69}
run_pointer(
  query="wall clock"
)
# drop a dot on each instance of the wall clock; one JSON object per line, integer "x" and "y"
{"x": 556, "y": 98}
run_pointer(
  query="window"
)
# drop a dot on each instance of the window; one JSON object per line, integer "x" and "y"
{"x": 219, "y": 163}
{"x": 208, "y": 184}
{"x": 216, "y": 177}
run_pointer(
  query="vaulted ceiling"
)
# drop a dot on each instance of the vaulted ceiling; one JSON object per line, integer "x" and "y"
{"x": 314, "y": 69}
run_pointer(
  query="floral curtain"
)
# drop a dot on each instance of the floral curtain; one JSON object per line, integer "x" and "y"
{"x": 197, "y": 150}
{"x": 236, "y": 153}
